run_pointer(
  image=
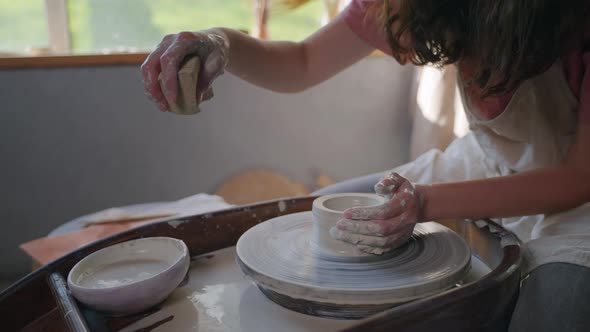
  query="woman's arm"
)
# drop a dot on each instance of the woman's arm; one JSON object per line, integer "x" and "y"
{"x": 540, "y": 191}
{"x": 295, "y": 66}
{"x": 274, "y": 65}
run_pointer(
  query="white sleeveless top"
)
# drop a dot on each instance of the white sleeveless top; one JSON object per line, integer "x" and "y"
{"x": 534, "y": 131}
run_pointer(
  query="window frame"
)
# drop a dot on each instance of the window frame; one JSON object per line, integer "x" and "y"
{"x": 58, "y": 26}
{"x": 68, "y": 61}
{"x": 59, "y": 51}
{"x": 59, "y": 32}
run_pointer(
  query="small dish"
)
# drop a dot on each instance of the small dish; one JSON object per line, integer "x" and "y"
{"x": 130, "y": 277}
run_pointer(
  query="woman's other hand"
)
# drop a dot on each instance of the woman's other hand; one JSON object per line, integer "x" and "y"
{"x": 212, "y": 48}
{"x": 381, "y": 228}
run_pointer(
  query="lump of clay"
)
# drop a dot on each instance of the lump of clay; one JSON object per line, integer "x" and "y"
{"x": 187, "y": 101}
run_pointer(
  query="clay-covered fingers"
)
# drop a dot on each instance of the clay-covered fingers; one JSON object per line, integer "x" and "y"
{"x": 182, "y": 45}
{"x": 389, "y": 184}
{"x": 374, "y": 244}
{"x": 214, "y": 62}
{"x": 150, "y": 70}
{"x": 212, "y": 50}
{"x": 397, "y": 204}
{"x": 393, "y": 242}
{"x": 370, "y": 227}
{"x": 378, "y": 212}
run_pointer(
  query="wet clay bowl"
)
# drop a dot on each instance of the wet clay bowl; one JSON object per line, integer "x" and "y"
{"x": 130, "y": 277}
{"x": 327, "y": 211}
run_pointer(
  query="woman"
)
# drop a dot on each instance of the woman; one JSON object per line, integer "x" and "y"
{"x": 526, "y": 90}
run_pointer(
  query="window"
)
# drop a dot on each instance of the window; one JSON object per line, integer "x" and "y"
{"x": 23, "y": 26}
{"x": 114, "y": 26}
{"x": 298, "y": 24}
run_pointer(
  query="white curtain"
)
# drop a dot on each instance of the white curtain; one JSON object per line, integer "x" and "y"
{"x": 437, "y": 110}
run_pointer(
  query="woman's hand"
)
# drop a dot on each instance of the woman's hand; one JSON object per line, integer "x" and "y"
{"x": 384, "y": 227}
{"x": 211, "y": 46}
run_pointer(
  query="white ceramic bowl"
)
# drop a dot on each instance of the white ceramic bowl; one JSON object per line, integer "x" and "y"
{"x": 326, "y": 211}
{"x": 130, "y": 277}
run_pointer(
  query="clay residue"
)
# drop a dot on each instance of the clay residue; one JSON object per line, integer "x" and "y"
{"x": 175, "y": 223}
{"x": 282, "y": 206}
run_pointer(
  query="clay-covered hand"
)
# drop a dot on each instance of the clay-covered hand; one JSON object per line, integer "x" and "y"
{"x": 212, "y": 48}
{"x": 384, "y": 227}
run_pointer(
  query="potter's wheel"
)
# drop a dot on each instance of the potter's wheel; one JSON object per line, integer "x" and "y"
{"x": 279, "y": 257}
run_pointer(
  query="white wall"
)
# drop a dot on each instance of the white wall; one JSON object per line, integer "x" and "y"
{"x": 74, "y": 141}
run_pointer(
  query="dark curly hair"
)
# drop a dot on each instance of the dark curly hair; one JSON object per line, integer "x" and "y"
{"x": 508, "y": 40}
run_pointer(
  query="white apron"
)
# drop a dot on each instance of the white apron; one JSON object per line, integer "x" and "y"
{"x": 534, "y": 131}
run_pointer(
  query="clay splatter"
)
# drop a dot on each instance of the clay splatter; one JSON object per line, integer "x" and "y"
{"x": 176, "y": 223}
{"x": 282, "y": 206}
